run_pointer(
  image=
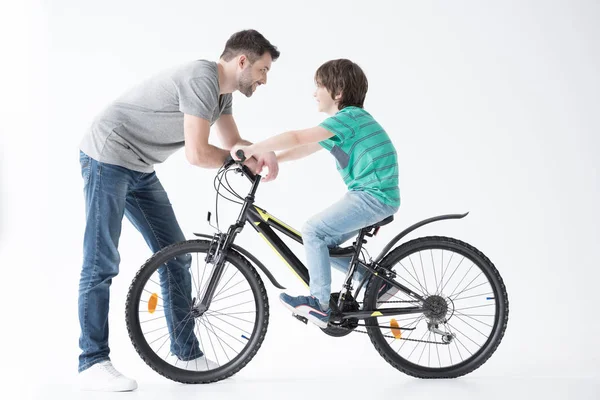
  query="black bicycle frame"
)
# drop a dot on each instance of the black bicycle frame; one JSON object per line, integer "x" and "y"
{"x": 263, "y": 222}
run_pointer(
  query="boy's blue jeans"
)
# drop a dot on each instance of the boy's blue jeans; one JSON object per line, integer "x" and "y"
{"x": 332, "y": 227}
{"x": 110, "y": 192}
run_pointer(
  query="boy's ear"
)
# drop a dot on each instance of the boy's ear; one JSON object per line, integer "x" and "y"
{"x": 338, "y": 96}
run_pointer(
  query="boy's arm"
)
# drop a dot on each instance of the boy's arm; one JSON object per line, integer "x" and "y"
{"x": 298, "y": 152}
{"x": 285, "y": 141}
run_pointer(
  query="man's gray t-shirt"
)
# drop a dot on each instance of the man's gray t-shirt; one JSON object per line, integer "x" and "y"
{"x": 144, "y": 126}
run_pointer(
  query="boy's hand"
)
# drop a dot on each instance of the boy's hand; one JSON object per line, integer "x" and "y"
{"x": 270, "y": 161}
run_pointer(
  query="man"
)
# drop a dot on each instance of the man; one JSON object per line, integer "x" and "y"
{"x": 141, "y": 128}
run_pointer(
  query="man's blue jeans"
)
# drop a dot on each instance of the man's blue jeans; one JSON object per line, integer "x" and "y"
{"x": 110, "y": 192}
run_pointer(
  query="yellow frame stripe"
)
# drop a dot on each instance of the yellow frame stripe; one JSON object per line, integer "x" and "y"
{"x": 283, "y": 259}
{"x": 266, "y": 216}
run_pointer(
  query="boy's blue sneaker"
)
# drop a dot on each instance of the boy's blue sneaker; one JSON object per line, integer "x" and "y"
{"x": 308, "y": 307}
{"x": 386, "y": 292}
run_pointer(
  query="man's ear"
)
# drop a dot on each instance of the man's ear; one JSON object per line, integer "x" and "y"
{"x": 338, "y": 97}
{"x": 242, "y": 61}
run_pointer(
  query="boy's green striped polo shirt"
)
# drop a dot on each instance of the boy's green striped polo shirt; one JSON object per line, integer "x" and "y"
{"x": 365, "y": 155}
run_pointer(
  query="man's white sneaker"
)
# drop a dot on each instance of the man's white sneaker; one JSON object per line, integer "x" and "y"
{"x": 103, "y": 377}
{"x": 197, "y": 364}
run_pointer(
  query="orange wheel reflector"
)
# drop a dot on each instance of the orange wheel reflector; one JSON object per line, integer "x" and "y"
{"x": 152, "y": 303}
{"x": 395, "y": 329}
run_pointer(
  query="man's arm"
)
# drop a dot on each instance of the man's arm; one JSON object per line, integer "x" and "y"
{"x": 228, "y": 132}
{"x": 197, "y": 150}
{"x": 298, "y": 152}
{"x": 230, "y": 137}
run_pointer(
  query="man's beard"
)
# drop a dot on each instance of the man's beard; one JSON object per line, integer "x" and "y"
{"x": 245, "y": 83}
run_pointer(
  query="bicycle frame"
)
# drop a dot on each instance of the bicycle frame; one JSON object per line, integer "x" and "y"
{"x": 264, "y": 223}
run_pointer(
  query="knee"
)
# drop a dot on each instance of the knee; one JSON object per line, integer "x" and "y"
{"x": 311, "y": 230}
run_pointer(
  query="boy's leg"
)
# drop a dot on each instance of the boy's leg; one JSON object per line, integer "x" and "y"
{"x": 105, "y": 188}
{"x": 150, "y": 211}
{"x": 331, "y": 227}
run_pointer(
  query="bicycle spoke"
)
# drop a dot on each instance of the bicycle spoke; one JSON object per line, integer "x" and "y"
{"x": 231, "y": 287}
{"x": 417, "y": 275}
{"x": 433, "y": 262}
{"x": 411, "y": 332}
{"x": 468, "y": 316}
{"x": 467, "y": 308}
{"x": 466, "y": 287}
{"x": 429, "y": 350}
{"x": 214, "y": 333}
{"x": 229, "y": 315}
{"x": 457, "y": 330}
{"x": 220, "y": 343}
{"x": 475, "y": 295}
{"x": 417, "y": 345}
{"x": 437, "y": 350}
{"x": 423, "y": 269}
{"x": 235, "y": 326}
{"x": 227, "y": 333}
{"x": 201, "y": 346}
{"x": 211, "y": 344}
{"x": 235, "y": 305}
{"x": 226, "y": 297}
{"x": 453, "y": 272}
{"x": 474, "y": 287}
{"x": 225, "y": 285}
{"x": 423, "y": 290}
{"x": 154, "y": 330}
{"x": 481, "y": 333}
{"x": 463, "y": 278}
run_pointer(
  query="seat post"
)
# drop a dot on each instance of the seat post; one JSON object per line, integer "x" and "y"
{"x": 360, "y": 240}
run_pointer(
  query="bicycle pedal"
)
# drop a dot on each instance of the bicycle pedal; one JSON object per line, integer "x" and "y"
{"x": 301, "y": 318}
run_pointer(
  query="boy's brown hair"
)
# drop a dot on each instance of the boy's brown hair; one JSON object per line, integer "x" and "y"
{"x": 345, "y": 77}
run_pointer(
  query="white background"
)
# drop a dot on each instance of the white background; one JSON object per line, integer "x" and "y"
{"x": 493, "y": 108}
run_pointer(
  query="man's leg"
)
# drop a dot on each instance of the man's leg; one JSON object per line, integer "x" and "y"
{"x": 150, "y": 211}
{"x": 105, "y": 187}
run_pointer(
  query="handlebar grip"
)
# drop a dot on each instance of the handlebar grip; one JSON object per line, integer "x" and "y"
{"x": 240, "y": 155}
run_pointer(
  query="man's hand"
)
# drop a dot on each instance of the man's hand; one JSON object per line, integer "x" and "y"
{"x": 270, "y": 161}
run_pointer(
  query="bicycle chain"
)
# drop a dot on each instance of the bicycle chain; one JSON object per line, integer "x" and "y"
{"x": 391, "y": 336}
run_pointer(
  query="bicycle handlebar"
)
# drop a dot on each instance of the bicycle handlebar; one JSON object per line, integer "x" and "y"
{"x": 240, "y": 154}
{"x": 229, "y": 161}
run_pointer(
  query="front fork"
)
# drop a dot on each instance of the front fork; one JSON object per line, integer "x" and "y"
{"x": 216, "y": 256}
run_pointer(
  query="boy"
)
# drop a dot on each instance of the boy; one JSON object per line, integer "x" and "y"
{"x": 366, "y": 160}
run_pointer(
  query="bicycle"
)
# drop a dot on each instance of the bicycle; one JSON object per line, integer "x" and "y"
{"x": 216, "y": 320}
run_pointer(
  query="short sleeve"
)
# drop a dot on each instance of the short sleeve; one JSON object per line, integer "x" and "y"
{"x": 198, "y": 97}
{"x": 228, "y": 104}
{"x": 341, "y": 125}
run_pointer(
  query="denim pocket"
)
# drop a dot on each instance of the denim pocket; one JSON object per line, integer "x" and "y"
{"x": 86, "y": 165}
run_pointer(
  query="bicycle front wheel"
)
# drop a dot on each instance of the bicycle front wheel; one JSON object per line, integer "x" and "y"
{"x": 465, "y": 303}
{"x": 179, "y": 342}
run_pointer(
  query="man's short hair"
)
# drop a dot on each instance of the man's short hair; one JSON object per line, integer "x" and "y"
{"x": 250, "y": 43}
{"x": 345, "y": 77}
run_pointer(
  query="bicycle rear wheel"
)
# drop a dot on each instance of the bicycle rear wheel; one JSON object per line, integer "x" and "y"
{"x": 171, "y": 336}
{"x": 464, "y": 297}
